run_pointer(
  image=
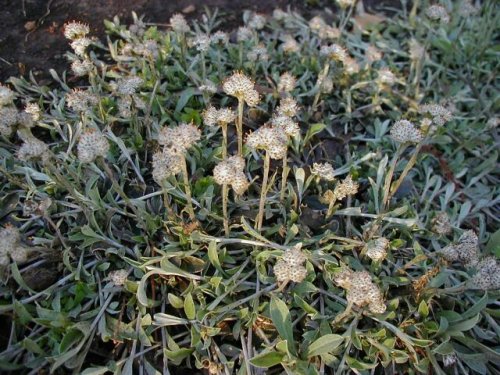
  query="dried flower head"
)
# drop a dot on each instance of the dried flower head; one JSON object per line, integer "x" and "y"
{"x": 287, "y": 107}
{"x": 467, "y": 9}
{"x": 34, "y": 111}
{"x": 345, "y": 188}
{"x": 361, "y": 291}
{"x": 128, "y": 85}
{"x": 449, "y": 360}
{"x": 324, "y": 171}
{"x": 286, "y": 124}
{"x": 75, "y": 30}
{"x": 80, "y": 45}
{"x": 7, "y": 96}
{"x": 165, "y": 164}
{"x": 8, "y": 118}
{"x": 81, "y": 68}
{"x": 440, "y": 115}
{"x": 441, "y": 224}
{"x": 179, "y": 23}
{"x": 80, "y": 100}
{"x": 231, "y": 172}
{"x": 417, "y": 51}
{"x": 279, "y": 15}
{"x": 219, "y": 37}
{"x": 244, "y": 34}
{"x": 404, "y": 131}
{"x": 377, "y": 249}
{"x": 316, "y": 23}
{"x": 386, "y": 77}
{"x": 33, "y": 148}
{"x": 118, "y": 277}
{"x": 291, "y": 268}
{"x": 271, "y": 139}
{"x": 465, "y": 250}
{"x": 326, "y": 85}
{"x": 91, "y": 145}
{"x": 257, "y": 21}
{"x": 241, "y": 87}
{"x": 202, "y": 42}
{"x": 210, "y": 116}
{"x": 487, "y": 276}
{"x": 290, "y": 45}
{"x": 438, "y": 13}
{"x": 351, "y": 66}
{"x": 10, "y": 246}
{"x": 180, "y": 138}
{"x": 493, "y": 123}
{"x": 373, "y": 54}
{"x": 287, "y": 82}
{"x": 335, "y": 52}
{"x": 258, "y": 53}
{"x": 345, "y": 3}
{"x": 328, "y": 32}
{"x": 209, "y": 88}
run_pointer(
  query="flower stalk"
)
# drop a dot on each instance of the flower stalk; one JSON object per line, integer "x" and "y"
{"x": 263, "y": 192}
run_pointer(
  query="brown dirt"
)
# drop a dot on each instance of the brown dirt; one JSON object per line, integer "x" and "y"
{"x": 31, "y": 36}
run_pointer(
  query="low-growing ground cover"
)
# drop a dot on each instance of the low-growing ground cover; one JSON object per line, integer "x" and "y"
{"x": 299, "y": 196}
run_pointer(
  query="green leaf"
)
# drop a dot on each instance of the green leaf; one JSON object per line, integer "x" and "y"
{"x": 324, "y": 344}
{"x": 175, "y": 301}
{"x": 267, "y": 360}
{"x": 161, "y": 319}
{"x": 189, "y": 307}
{"x": 423, "y": 309}
{"x": 493, "y": 245}
{"x": 184, "y": 98}
{"x": 282, "y": 321}
{"x": 464, "y": 325}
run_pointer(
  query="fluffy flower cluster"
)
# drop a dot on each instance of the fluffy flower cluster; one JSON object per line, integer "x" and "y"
{"x": 81, "y": 68}
{"x": 465, "y": 250}
{"x": 11, "y": 247}
{"x": 77, "y": 33}
{"x": 258, "y": 53}
{"x": 287, "y": 107}
{"x": 179, "y": 138}
{"x": 6, "y": 95}
{"x": 290, "y": 267}
{"x": 404, "y": 131}
{"x": 201, "y": 42}
{"x": 127, "y": 86}
{"x": 373, "y": 54}
{"x": 377, "y": 249}
{"x": 33, "y": 148}
{"x": 271, "y": 139}
{"x": 81, "y": 100}
{"x": 165, "y": 164}
{"x": 286, "y": 124}
{"x": 345, "y": 188}
{"x": 91, "y": 145}
{"x": 230, "y": 172}
{"x": 290, "y": 45}
{"x": 179, "y": 23}
{"x": 286, "y": 83}
{"x": 118, "y": 277}
{"x": 219, "y": 37}
{"x": 257, "y": 22}
{"x": 324, "y": 171}
{"x": 441, "y": 224}
{"x": 386, "y": 77}
{"x": 241, "y": 87}
{"x": 361, "y": 291}
{"x": 487, "y": 276}
{"x": 416, "y": 50}
{"x": 213, "y": 116}
{"x": 323, "y": 30}
{"x": 438, "y": 13}
{"x": 467, "y": 8}
{"x": 244, "y": 34}
{"x": 335, "y": 52}
{"x": 440, "y": 115}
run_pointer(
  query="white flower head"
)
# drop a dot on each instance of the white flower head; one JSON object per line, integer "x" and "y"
{"x": 286, "y": 82}
{"x": 438, "y": 13}
{"x": 75, "y": 30}
{"x": 7, "y": 96}
{"x": 231, "y": 172}
{"x": 91, "y": 145}
{"x": 271, "y": 139}
{"x": 244, "y": 34}
{"x": 165, "y": 164}
{"x": 404, "y": 131}
{"x": 8, "y": 119}
{"x": 257, "y": 22}
{"x": 241, "y": 87}
{"x": 345, "y": 188}
{"x": 80, "y": 45}
{"x": 287, "y": 107}
{"x": 290, "y": 45}
{"x": 202, "y": 42}
{"x": 81, "y": 68}
{"x": 324, "y": 171}
{"x": 33, "y": 148}
{"x": 179, "y": 23}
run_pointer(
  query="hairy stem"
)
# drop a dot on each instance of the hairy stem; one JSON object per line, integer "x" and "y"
{"x": 225, "y": 193}
{"x": 224, "y": 141}
{"x": 407, "y": 169}
{"x": 284, "y": 177}
{"x": 187, "y": 189}
{"x": 239, "y": 126}
{"x": 263, "y": 193}
{"x": 321, "y": 78}
{"x": 390, "y": 174}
